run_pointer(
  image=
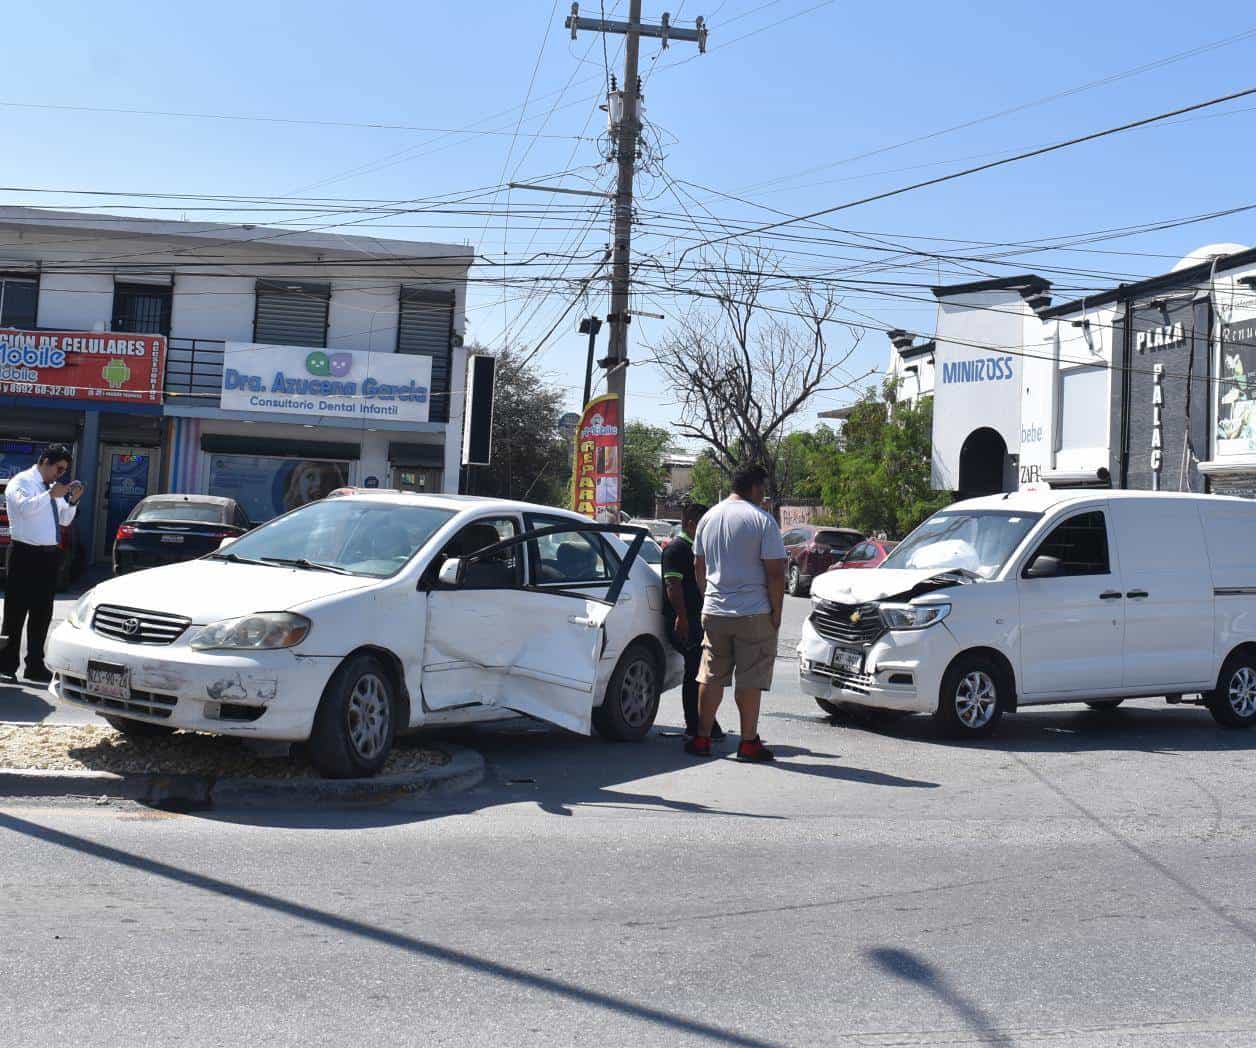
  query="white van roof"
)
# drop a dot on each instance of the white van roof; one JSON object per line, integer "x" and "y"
{"x": 1042, "y": 501}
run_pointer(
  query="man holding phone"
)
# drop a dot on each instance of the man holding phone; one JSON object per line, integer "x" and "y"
{"x": 40, "y": 502}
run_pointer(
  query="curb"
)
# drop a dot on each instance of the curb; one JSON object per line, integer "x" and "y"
{"x": 205, "y": 793}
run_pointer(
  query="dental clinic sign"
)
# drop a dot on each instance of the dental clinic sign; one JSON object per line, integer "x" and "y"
{"x": 339, "y": 383}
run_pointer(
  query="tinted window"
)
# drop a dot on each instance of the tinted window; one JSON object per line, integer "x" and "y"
{"x": 836, "y": 539}
{"x": 195, "y": 512}
{"x": 1080, "y": 544}
{"x": 502, "y": 569}
{"x": 792, "y": 538}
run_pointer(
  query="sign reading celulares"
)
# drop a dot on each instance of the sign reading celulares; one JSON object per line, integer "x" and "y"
{"x": 337, "y": 383}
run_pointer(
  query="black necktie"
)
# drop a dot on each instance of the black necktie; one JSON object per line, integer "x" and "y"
{"x": 56, "y": 519}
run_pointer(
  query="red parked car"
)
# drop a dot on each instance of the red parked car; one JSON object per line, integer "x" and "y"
{"x": 812, "y": 550}
{"x": 869, "y": 554}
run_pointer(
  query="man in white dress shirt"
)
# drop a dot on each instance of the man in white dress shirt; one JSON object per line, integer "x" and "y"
{"x": 39, "y": 504}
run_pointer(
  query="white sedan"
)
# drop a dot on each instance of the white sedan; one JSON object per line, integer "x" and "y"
{"x": 350, "y": 619}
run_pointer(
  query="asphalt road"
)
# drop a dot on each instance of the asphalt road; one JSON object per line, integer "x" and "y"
{"x": 1081, "y": 879}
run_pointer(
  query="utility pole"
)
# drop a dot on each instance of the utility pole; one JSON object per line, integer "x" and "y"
{"x": 629, "y": 127}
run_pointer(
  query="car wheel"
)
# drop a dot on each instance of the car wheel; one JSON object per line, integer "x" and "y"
{"x": 632, "y": 697}
{"x": 973, "y": 692}
{"x": 355, "y": 723}
{"x": 793, "y": 581}
{"x": 1104, "y": 704}
{"x": 1233, "y": 703}
{"x": 138, "y": 729}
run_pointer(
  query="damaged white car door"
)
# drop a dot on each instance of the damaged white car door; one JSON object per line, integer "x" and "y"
{"x": 495, "y": 637}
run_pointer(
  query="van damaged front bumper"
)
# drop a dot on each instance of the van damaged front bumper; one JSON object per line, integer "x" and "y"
{"x": 902, "y": 670}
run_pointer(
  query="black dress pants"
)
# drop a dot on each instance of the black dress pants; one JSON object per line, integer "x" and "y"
{"x": 28, "y": 595}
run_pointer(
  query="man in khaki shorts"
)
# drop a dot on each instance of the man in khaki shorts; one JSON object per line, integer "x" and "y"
{"x": 740, "y": 558}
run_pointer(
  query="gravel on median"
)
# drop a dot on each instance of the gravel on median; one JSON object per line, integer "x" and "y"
{"x": 39, "y": 747}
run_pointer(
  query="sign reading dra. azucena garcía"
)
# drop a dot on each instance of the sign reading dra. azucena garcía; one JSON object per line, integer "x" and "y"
{"x": 298, "y": 380}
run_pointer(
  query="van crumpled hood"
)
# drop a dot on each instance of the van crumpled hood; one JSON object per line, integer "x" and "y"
{"x": 209, "y": 590}
{"x": 859, "y": 587}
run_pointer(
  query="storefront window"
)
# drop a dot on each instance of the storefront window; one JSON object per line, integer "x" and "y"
{"x": 1236, "y": 390}
{"x": 266, "y": 487}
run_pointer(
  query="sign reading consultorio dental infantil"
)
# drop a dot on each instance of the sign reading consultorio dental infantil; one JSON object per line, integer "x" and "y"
{"x": 337, "y": 383}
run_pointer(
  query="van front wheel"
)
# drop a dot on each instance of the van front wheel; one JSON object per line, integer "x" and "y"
{"x": 1233, "y": 703}
{"x": 973, "y": 693}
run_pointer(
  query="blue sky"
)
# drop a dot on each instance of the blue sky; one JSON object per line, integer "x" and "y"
{"x": 789, "y": 93}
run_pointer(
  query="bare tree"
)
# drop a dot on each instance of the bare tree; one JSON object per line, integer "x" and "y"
{"x": 745, "y": 362}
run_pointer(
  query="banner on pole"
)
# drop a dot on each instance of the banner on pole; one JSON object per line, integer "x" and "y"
{"x": 597, "y": 469}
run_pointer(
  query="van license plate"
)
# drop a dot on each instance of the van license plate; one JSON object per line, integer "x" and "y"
{"x": 172, "y": 538}
{"x": 107, "y": 680}
{"x": 848, "y": 660}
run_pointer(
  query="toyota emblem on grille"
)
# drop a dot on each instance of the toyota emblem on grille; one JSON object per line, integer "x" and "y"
{"x": 855, "y": 616}
{"x": 131, "y": 627}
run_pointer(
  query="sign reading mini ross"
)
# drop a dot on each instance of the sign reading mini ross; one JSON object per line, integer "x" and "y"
{"x": 294, "y": 380}
{"x": 82, "y": 365}
{"x": 596, "y": 471}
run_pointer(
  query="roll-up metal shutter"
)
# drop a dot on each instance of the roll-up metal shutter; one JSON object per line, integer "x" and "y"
{"x": 425, "y": 328}
{"x": 290, "y": 313}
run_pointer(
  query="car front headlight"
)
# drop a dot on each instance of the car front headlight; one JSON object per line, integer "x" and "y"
{"x": 913, "y": 616}
{"x": 262, "y": 631}
{"x": 81, "y": 615}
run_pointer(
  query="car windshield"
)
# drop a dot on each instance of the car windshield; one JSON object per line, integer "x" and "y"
{"x": 660, "y": 529}
{"x": 978, "y": 541}
{"x": 358, "y": 536}
{"x": 194, "y": 512}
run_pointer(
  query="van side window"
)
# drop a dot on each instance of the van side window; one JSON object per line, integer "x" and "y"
{"x": 1080, "y": 544}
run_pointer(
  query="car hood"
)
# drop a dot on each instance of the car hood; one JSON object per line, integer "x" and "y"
{"x": 209, "y": 590}
{"x": 857, "y": 587}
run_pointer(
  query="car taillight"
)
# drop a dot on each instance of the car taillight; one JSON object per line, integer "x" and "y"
{"x": 126, "y": 531}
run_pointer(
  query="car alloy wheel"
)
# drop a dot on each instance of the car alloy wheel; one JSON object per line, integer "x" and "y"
{"x": 793, "y": 580}
{"x": 637, "y": 693}
{"x": 1242, "y": 692}
{"x": 976, "y": 699}
{"x": 369, "y": 713}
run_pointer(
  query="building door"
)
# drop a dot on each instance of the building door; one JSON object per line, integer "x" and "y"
{"x": 415, "y": 478}
{"x": 983, "y": 464}
{"x": 127, "y": 474}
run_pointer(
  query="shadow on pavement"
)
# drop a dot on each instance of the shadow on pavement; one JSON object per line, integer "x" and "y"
{"x": 559, "y": 989}
{"x": 26, "y": 704}
{"x": 911, "y": 968}
{"x": 1142, "y": 728}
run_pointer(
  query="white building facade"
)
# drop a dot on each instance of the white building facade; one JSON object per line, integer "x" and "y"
{"x": 291, "y": 362}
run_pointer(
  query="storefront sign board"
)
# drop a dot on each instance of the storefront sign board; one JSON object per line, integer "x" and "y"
{"x": 82, "y": 365}
{"x": 337, "y": 383}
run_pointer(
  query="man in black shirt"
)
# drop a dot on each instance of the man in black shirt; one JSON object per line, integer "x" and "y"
{"x": 683, "y": 613}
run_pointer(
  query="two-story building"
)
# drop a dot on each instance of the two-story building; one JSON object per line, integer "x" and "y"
{"x": 266, "y": 364}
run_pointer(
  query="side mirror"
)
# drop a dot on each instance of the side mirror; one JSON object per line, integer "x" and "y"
{"x": 227, "y": 541}
{"x": 451, "y": 573}
{"x": 1043, "y": 567}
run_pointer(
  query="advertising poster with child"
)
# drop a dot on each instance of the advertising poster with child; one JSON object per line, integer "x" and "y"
{"x": 596, "y": 471}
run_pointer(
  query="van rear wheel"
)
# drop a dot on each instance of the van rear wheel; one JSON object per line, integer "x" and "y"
{"x": 974, "y": 691}
{"x": 1233, "y": 703}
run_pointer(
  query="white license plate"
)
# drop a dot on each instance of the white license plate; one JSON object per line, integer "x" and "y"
{"x": 107, "y": 680}
{"x": 850, "y": 661}
{"x": 172, "y": 538}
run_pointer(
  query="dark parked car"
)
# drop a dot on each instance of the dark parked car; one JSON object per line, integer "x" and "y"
{"x": 165, "y": 529}
{"x": 870, "y": 554}
{"x": 812, "y": 550}
{"x": 73, "y": 555}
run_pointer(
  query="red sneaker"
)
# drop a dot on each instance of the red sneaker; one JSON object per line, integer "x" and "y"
{"x": 754, "y": 752}
{"x": 698, "y": 746}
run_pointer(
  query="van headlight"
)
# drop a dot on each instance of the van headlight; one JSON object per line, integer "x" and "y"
{"x": 81, "y": 615}
{"x": 265, "y": 630}
{"x": 913, "y": 616}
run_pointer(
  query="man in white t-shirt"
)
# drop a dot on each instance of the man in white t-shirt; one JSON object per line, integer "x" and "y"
{"x": 740, "y": 559}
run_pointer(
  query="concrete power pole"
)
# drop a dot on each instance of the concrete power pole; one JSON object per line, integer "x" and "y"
{"x": 629, "y": 127}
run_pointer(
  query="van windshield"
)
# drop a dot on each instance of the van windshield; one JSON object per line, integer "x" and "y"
{"x": 979, "y": 541}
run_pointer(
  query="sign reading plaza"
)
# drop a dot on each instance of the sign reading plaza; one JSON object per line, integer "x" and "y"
{"x": 295, "y": 380}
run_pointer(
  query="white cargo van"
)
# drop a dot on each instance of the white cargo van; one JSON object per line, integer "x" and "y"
{"x": 1023, "y": 599}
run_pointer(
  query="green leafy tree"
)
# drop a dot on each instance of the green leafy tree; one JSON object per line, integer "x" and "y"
{"x": 709, "y": 481}
{"x": 530, "y": 458}
{"x": 644, "y": 475}
{"x": 801, "y": 460}
{"x": 881, "y": 481}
